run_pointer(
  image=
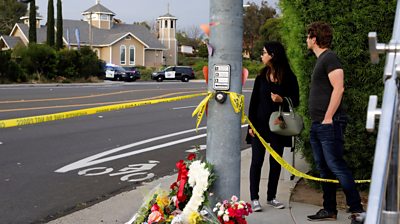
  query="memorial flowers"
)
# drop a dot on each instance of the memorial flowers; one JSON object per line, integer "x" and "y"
{"x": 233, "y": 212}
{"x": 185, "y": 199}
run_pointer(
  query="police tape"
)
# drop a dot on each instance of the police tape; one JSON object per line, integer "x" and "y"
{"x": 289, "y": 167}
{"x": 83, "y": 112}
{"x": 237, "y": 102}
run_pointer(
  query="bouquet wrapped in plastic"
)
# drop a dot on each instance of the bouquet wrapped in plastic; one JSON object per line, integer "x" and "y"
{"x": 185, "y": 199}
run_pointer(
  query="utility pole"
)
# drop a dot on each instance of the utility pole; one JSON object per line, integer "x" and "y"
{"x": 225, "y": 69}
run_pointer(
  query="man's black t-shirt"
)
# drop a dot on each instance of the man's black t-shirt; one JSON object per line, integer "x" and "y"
{"x": 321, "y": 88}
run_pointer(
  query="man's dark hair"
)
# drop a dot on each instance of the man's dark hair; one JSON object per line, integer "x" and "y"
{"x": 322, "y": 32}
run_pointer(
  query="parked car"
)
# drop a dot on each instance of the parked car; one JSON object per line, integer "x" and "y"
{"x": 115, "y": 72}
{"x": 132, "y": 74}
{"x": 183, "y": 73}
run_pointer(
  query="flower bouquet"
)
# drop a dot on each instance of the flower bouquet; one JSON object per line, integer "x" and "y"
{"x": 186, "y": 197}
{"x": 233, "y": 212}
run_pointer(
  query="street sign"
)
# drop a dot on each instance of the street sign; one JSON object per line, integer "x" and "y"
{"x": 222, "y": 77}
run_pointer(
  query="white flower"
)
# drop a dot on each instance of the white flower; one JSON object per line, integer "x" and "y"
{"x": 174, "y": 198}
{"x": 220, "y": 213}
{"x": 198, "y": 179}
{"x": 177, "y": 220}
{"x": 225, "y": 218}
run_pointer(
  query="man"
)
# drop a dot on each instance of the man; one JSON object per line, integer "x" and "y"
{"x": 328, "y": 125}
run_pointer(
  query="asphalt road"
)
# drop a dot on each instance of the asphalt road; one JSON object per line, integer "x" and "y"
{"x": 50, "y": 169}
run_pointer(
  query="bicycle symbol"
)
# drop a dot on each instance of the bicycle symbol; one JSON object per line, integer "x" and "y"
{"x": 131, "y": 173}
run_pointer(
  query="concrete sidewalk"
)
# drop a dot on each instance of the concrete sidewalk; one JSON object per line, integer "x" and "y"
{"x": 120, "y": 208}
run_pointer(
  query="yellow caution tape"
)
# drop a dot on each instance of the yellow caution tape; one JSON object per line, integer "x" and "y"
{"x": 82, "y": 112}
{"x": 289, "y": 167}
{"x": 200, "y": 109}
{"x": 237, "y": 102}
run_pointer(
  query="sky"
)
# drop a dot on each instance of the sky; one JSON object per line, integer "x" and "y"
{"x": 188, "y": 12}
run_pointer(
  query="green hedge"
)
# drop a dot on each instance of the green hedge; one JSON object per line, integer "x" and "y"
{"x": 351, "y": 20}
{"x": 41, "y": 63}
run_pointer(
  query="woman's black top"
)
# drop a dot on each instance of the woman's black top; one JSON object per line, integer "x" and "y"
{"x": 262, "y": 106}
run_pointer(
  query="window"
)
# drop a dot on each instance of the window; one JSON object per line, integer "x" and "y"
{"x": 131, "y": 55}
{"x": 104, "y": 17}
{"x": 166, "y": 24}
{"x": 172, "y": 24}
{"x": 122, "y": 51}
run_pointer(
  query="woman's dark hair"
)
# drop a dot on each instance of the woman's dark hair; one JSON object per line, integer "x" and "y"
{"x": 279, "y": 63}
{"x": 322, "y": 32}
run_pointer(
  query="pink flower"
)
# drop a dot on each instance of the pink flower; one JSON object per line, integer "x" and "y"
{"x": 155, "y": 207}
{"x": 233, "y": 212}
{"x": 234, "y": 198}
{"x": 154, "y": 217}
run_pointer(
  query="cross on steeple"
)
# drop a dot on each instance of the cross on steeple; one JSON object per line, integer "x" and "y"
{"x": 97, "y": 2}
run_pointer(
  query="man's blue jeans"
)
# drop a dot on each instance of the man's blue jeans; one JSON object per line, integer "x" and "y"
{"x": 327, "y": 142}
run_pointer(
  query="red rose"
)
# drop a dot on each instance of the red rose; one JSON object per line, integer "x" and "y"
{"x": 191, "y": 156}
{"x": 232, "y": 212}
{"x": 155, "y": 207}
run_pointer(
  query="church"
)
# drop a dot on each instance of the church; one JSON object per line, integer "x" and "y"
{"x": 113, "y": 41}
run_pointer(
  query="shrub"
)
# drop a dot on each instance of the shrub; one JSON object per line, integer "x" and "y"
{"x": 68, "y": 63}
{"x": 10, "y": 71}
{"x": 37, "y": 59}
{"x": 90, "y": 64}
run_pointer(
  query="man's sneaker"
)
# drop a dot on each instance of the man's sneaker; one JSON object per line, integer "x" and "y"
{"x": 256, "y": 206}
{"x": 323, "y": 215}
{"x": 357, "y": 218}
{"x": 276, "y": 204}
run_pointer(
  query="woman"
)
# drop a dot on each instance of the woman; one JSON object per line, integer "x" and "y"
{"x": 275, "y": 82}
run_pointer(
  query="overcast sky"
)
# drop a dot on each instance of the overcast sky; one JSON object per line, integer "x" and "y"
{"x": 188, "y": 12}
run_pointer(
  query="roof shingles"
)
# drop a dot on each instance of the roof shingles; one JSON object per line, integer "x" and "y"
{"x": 101, "y": 37}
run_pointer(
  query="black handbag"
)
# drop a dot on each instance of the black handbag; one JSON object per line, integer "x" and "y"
{"x": 291, "y": 123}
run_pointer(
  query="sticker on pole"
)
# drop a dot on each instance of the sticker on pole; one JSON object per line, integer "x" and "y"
{"x": 222, "y": 77}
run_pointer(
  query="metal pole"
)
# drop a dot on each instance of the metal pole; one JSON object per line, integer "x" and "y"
{"x": 223, "y": 124}
{"x": 380, "y": 207}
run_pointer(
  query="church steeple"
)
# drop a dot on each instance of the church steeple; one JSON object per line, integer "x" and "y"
{"x": 99, "y": 16}
{"x": 25, "y": 18}
{"x": 167, "y": 36}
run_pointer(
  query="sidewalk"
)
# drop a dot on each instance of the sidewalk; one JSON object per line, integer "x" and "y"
{"x": 120, "y": 208}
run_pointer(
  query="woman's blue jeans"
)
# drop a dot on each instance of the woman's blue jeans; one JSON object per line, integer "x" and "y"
{"x": 327, "y": 142}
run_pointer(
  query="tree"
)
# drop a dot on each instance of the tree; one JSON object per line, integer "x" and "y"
{"x": 270, "y": 31}
{"x": 32, "y": 21}
{"x": 144, "y": 23}
{"x": 59, "y": 36}
{"x": 10, "y": 12}
{"x": 193, "y": 32}
{"x": 50, "y": 23}
{"x": 254, "y": 17}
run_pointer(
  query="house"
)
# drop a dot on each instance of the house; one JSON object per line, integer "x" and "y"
{"x": 113, "y": 41}
{"x": 185, "y": 49}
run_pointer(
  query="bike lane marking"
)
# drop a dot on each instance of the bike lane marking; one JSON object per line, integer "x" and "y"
{"x": 96, "y": 159}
